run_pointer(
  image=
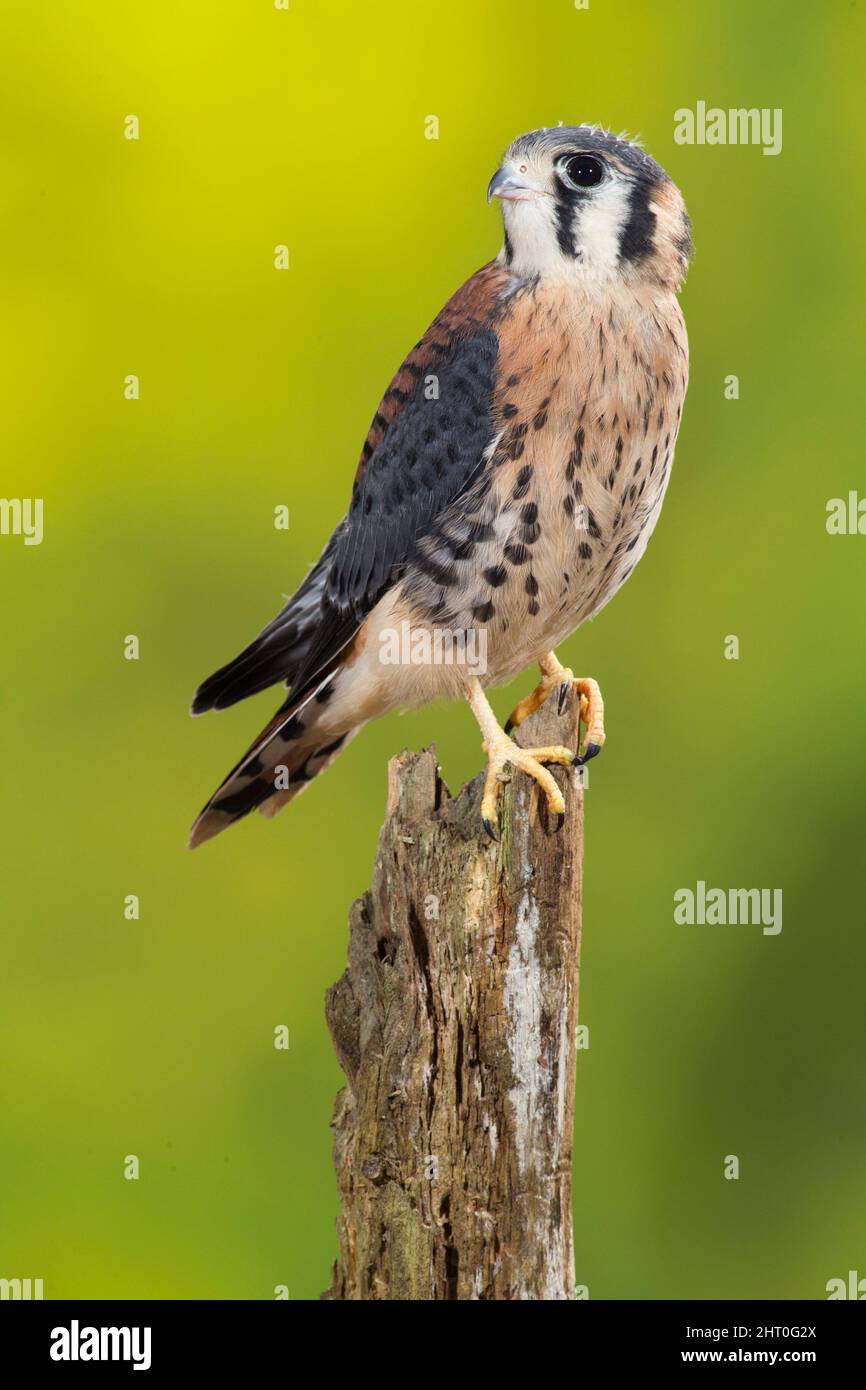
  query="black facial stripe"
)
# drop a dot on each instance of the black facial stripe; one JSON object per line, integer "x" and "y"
{"x": 636, "y": 238}
{"x": 565, "y": 207}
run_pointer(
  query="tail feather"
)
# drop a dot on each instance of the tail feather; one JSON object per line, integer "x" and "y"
{"x": 317, "y": 761}
{"x": 300, "y": 741}
{"x": 280, "y": 763}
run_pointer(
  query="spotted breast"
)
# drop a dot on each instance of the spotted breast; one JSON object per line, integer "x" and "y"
{"x": 588, "y": 398}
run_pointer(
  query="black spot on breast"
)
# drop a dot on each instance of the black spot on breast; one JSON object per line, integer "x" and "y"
{"x": 516, "y": 554}
{"x": 522, "y": 483}
{"x": 483, "y": 612}
{"x": 496, "y": 575}
{"x": 516, "y": 437}
{"x": 584, "y": 550}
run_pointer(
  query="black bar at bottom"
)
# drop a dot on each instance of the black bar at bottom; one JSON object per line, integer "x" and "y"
{"x": 220, "y": 1337}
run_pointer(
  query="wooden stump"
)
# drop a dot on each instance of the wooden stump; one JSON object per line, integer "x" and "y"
{"x": 455, "y": 1025}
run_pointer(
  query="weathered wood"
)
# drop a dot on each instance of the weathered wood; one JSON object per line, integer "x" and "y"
{"x": 455, "y": 1025}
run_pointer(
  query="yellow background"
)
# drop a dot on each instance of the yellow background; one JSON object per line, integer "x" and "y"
{"x": 155, "y": 257}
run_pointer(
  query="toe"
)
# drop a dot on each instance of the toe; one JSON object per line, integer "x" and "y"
{"x": 592, "y": 751}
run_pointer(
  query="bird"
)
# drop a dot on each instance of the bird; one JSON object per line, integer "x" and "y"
{"x": 509, "y": 482}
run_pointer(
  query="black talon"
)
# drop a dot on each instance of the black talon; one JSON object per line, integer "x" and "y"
{"x": 509, "y": 725}
{"x": 488, "y": 826}
{"x": 592, "y": 751}
{"x": 563, "y": 696}
{"x": 560, "y": 822}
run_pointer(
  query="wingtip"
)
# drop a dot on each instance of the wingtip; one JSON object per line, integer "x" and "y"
{"x": 200, "y": 703}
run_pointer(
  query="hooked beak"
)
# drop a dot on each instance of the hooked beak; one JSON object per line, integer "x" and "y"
{"x": 511, "y": 186}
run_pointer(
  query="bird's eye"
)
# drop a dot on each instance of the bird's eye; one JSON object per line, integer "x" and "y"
{"x": 581, "y": 170}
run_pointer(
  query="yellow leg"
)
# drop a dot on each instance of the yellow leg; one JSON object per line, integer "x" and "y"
{"x": 500, "y": 749}
{"x": 554, "y": 674}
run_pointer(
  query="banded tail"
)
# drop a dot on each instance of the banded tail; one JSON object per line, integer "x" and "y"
{"x": 293, "y": 747}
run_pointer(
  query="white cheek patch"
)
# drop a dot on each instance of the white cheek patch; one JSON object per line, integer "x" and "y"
{"x": 531, "y": 228}
{"x": 601, "y": 221}
{"x": 597, "y": 224}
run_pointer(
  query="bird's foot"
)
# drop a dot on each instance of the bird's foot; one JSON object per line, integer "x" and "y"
{"x": 591, "y": 715}
{"x": 552, "y": 675}
{"x": 501, "y": 750}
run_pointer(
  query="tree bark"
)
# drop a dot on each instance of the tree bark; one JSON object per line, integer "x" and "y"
{"x": 455, "y": 1024}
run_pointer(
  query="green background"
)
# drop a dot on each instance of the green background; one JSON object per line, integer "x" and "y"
{"x": 155, "y": 257}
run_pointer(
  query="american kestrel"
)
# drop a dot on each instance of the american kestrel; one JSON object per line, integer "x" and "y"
{"x": 507, "y": 487}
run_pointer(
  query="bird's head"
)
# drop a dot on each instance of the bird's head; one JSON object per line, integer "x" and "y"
{"x": 578, "y": 201}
